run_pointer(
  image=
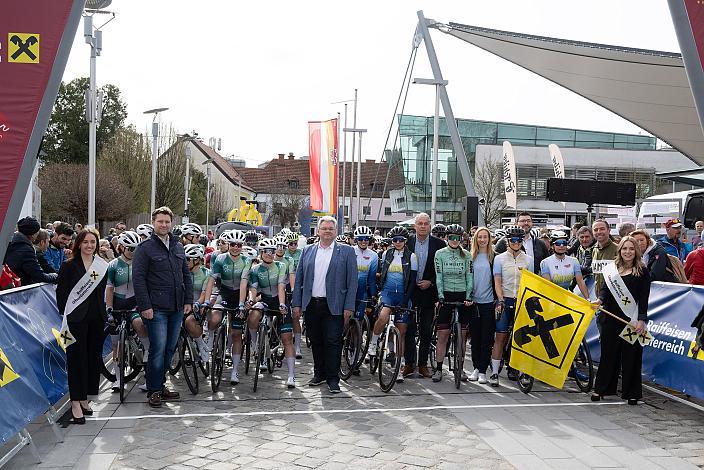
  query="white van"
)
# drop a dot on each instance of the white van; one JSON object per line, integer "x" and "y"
{"x": 688, "y": 206}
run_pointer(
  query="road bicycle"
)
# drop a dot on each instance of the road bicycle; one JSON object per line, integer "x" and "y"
{"x": 269, "y": 345}
{"x": 189, "y": 359}
{"x": 456, "y": 344}
{"x": 218, "y": 354}
{"x": 388, "y": 369}
{"x": 130, "y": 352}
{"x": 351, "y": 348}
{"x": 366, "y": 322}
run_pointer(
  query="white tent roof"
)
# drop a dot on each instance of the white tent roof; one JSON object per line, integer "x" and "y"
{"x": 647, "y": 88}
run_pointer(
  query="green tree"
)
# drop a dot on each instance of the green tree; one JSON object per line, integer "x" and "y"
{"x": 66, "y": 137}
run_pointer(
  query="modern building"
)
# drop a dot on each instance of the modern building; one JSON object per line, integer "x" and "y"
{"x": 603, "y": 156}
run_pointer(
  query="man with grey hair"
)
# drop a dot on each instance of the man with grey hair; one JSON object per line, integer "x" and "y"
{"x": 625, "y": 228}
{"x": 326, "y": 292}
{"x": 424, "y": 245}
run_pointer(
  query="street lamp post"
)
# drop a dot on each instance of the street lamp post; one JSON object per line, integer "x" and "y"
{"x": 187, "y": 183}
{"x": 207, "y": 193}
{"x": 359, "y": 171}
{"x": 155, "y": 135}
{"x": 436, "y": 143}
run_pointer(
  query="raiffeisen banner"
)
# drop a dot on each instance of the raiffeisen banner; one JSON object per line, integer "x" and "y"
{"x": 35, "y": 41}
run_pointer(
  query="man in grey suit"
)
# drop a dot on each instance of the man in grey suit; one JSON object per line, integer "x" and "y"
{"x": 325, "y": 289}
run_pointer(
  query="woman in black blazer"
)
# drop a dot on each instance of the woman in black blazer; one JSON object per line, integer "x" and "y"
{"x": 86, "y": 323}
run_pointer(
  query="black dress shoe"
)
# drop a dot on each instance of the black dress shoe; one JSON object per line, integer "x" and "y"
{"x": 596, "y": 397}
{"x": 315, "y": 381}
{"x": 334, "y": 387}
{"x": 74, "y": 420}
{"x": 87, "y": 411}
{"x": 632, "y": 401}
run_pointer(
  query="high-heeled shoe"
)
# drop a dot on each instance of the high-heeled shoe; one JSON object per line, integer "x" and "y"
{"x": 74, "y": 420}
{"x": 596, "y": 397}
{"x": 86, "y": 411}
{"x": 632, "y": 401}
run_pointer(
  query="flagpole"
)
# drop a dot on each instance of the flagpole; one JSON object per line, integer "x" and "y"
{"x": 344, "y": 174}
{"x": 337, "y": 176}
{"x": 354, "y": 125}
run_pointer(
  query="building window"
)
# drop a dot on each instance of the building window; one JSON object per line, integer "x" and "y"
{"x": 346, "y": 211}
{"x": 367, "y": 210}
{"x": 261, "y": 207}
{"x": 293, "y": 183}
{"x": 387, "y": 211}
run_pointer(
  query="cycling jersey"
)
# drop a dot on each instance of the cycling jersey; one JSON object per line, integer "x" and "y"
{"x": 367, "y": 264}
{"x": 394, "y": 279}
{"x": 506, "y": 266}
{"x": 561, "y": 271}
{"x": 120, "y": 278}
{"x": 200, "y": 278}
{"x": 228, "y": 272}
{"x": 266, "y": 279}
{"x": 454, "y": 272}
{"x": 287, "y": 262}
{"x": 295, "y": 257}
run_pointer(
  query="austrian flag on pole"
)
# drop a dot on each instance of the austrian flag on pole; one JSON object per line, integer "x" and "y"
{"x": 322, "y": 148}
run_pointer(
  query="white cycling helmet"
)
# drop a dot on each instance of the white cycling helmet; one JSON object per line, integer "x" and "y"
{"x": 194, "y": 250}
{"x": 292, "y": 237}
{"x": 281, "y": 240}
{"x": 284, "y": 232}
{"x": 267, "y": 243}
{"x": 145, "y": 230}
{"x": 129, "y": 239}
{"x": 249, "y": 252}
{"x": 232, "y": 236}
{"x": 191, "y": 229}
{"x": 362, "y": 231}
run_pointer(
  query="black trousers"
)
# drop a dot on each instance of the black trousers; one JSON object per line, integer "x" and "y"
{"x": 482, "y": 326}
{"x": 426, "y": 311}
{"x": 618, "y": 356}
{"x": 83, "y": 357}
{"x": 325, "y": 332}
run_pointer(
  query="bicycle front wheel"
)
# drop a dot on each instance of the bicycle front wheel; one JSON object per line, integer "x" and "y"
{"x": 217, "y": 358}
{"x": 583, "y": 368}
{"x": 175, "y": 364}
{"x": 261, "y": 348}
{"x": 123, "y": 364}
{"x": 247, "y": 346}
{"x": 432, "y": 351}
{"x": 350, "y": 349}
{"x": 189, "y": 364}
{"x": 458, "y": 349}
{"x": 388, "y": 371}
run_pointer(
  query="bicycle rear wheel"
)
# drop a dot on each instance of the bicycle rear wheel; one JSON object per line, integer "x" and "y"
{"x": 350, "y": 349}
{"x": 247, "y": 346}
{"x": 432, "y": 351}
{"x": 388, "y": 371}
{"x": 261, "y": 348}
{"x": 175, "y": 363}
{"x": 189, "y": 362}
{"x": 365, "y": 337}
{"x": 583, "y": 368}
{"x": 103, "y": 367}
{"x": 123, "y": 364}
{"x": 217, "y": 358}
{"x": 458, "y": 348}
{"x": 525, "y": 382}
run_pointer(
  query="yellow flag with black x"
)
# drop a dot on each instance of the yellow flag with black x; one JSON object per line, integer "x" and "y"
{"x": 7, "y": 373}
{"x": 549, "y": 325}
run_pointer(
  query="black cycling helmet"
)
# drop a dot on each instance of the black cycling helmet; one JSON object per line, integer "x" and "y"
{"x": 398, "y": 231}
{"x": 438, "y": 229}
{"x": 454, "y": 229}
{"x": 515, "y": 231}
{"x": 251, "y": 238}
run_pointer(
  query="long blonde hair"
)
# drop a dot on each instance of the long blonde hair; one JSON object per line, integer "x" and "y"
{"x": 475, "y": 245}
{"x": 638, "y": 265}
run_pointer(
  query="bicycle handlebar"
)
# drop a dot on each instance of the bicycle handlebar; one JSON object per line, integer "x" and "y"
{"x": 454, "y": 304}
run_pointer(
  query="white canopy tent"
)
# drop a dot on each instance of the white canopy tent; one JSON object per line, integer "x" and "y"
{"x": 647, "y": 88}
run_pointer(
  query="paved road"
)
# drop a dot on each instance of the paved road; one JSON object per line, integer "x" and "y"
{"x": 418, "y": 425}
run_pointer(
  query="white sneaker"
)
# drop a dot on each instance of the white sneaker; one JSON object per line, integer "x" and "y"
{"x": 234, "y": 377}
{"x": 482, "y": 379}
{"x": 143, "y": 387}
{"x": 372, "y": 349}
{"x": 473, "y": 376}
{"x": 291, "y": 382}
{"x": 437, "y": 376}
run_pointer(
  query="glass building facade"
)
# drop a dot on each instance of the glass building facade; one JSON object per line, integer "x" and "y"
{"x": 416, "y": 141}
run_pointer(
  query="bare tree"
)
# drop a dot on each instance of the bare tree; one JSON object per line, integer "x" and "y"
{"x": 285, "y": 206}
{"x": 489, "y": 185}
{"x": 220, "y": 203}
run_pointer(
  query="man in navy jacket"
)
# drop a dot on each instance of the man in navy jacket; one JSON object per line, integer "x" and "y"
{"x": 22, "y": 258}
{"x": 163, "y": 288}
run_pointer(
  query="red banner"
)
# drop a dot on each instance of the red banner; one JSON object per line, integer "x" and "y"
{"x": 695, "y": 14}
{"x": 322, "y": 157}
{"x": 31, "y": 33}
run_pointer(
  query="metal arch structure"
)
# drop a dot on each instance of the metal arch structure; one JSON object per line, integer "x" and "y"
{"x": 424, "y": 32}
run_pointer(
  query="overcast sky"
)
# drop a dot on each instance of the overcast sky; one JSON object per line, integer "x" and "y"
{"x": 254, "y": 73}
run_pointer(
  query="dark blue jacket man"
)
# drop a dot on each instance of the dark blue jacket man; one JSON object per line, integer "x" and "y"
{"x": 21, "y": 256}
{"x": 163, "y": 288}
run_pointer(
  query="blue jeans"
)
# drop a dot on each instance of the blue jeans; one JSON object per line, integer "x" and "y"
{"x": 163, "y": 330}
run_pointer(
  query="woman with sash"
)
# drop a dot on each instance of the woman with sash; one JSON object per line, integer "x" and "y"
{"x": 624, "y": 293}
{"x": 80, "y": 296}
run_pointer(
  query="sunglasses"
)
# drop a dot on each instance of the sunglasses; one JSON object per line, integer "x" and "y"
{"x": 398, "y": 239}
{"x": 516, "y": 240}
{"x": 454, "y": 238}
{"x": 292, "y": 243}
{"x": 268, "y": 251}
{"x": 560, "y": 243}
{"x": 362, "y": 239}
{"x": 235, "y": 245}
{"x": 131, "y": 248}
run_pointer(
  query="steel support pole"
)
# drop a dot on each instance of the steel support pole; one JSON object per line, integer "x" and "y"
{"x": 359, "y": 178}
{"x": 186, "y": 185}
{"x": 92, "y": 136}
{"x": 447, "y": 108}
{"x": 337, "y": 178}
{"x": 354, "y": 137}
{"x": 155, "y": 134}
{"x": 434, "y": 174}
{"x": 207, "y": 198}
{"x": 344, "y": 173}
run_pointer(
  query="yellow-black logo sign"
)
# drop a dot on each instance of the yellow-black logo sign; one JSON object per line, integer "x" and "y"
{"x": 7, "y": 373}
{"x": 545, "y": 329}
{"x": 23, "y": 48}
{"x": 695, "y": 352}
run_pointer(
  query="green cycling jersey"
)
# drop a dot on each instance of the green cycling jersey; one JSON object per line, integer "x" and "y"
{"x": 453, "y": 271}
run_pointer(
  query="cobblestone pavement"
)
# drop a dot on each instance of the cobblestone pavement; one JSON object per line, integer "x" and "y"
{"x": 419, "y": 424}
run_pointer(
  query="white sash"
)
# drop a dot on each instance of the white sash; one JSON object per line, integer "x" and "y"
{"x": 618, "y": 289}
{"x": 85, "y": 286}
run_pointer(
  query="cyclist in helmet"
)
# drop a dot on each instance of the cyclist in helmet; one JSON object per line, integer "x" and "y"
{"x": 228, "y": 273}
{"x": 176, "y": 231}
{"x": 367, "y": 264}
{"x": 399, "y": 269}
{"x": 251, "y": 238}
{"x": 190, "y": 233}
{"x": 119, "y": 294}
{"x": 438, "y": 230}
{"x": 453, "y": 268}
{"x": 342, "y": 239}
{"x": 560, "y": 268}
{"x": 507, "y": 277}
{"x": 195, "y": 254}
{"x": 268, "y": 279}
{"x": 280, "y": 256}
{"x": 293, "y": 255}
{"x": 144, "y": 231}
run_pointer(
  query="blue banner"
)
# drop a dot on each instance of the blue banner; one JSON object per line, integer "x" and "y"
{"x": 671, "y": 310}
